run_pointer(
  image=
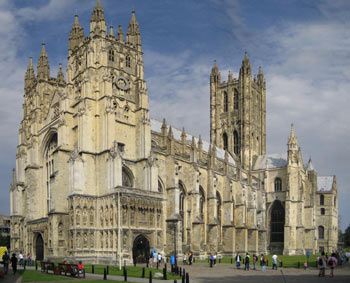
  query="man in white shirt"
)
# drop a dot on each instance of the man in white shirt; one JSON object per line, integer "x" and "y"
{"x": 274, "y": 262}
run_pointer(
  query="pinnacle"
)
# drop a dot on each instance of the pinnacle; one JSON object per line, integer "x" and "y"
{"x": 43, "y": 50}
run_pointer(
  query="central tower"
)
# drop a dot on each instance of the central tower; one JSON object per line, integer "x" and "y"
{"x": 238, "y": 113}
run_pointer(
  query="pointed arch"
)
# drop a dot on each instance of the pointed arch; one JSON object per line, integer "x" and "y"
{"x": 235, "y": 100}
{"x": 278, "y": 184}
{"x": 277, "y": 222}
{"x": 225, "y": 101}
{"x": 236, "y": 148}
{"x": 127, "y": 177}
{"x": 201, "y": 202}
{"x": 321, "y": 232}
{"x": 225, "y": 141}
{"x": 160, "y": 185}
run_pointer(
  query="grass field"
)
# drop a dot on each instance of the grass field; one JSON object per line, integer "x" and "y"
{"x": 37, "y": 276}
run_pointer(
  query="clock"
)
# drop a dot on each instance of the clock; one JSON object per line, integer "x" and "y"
{"x": 122, "y": 83}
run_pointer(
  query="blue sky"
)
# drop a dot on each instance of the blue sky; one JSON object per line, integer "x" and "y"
{"x": 303, "y": 47}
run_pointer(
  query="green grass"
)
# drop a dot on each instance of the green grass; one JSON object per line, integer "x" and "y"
{"x": 287, "y": 260}
{"x": 37, "y": 276}
{"x": 133, "y": 271}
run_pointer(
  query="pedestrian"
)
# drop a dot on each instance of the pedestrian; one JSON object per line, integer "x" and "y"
{"x": 238, "y": 261}
{"x": 263, "y": 263}
{"x": 190, "y": 258}
{"x": 246, "y": 262}
{"x": 172, "y": 262}
{"x": 5, "y": 261}
{"x": 14, "y": 262}
{"x": 322, "y": 264}
{"x": 159, "y": 258}
{"x": 214, "y": 257}
{"x": 274, "y": 261}
{"x": 255, "y": 260}
{"x": 185, "y": 259}
{"x": 211, "y": 259}
{"x": 305, "y": 265}
{"x": 20, "y": 257}
{"x": 332, "y": 263}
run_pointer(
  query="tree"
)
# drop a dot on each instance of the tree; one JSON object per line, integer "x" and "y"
{"x": 346, "y": 237}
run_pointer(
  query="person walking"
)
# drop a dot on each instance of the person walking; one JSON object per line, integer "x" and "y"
{"x": 332, "y": 263}
{"x": 190, "y": 258}
{"x": 274, "y": 261}
{"x": 255, "y": 260}
{"x": 263, "y": 263}
{"x": 322, "y": 264}
{"x": 238, "y": 261}
{"x": 14, "y": 262}
{"x": 246, "y": 262}
{"x": 5, "y": 261}
{"x": 21, "y": 259}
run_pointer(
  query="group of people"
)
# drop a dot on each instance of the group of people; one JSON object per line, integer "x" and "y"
{"x": 323, "y": 261}
{"x": 188, "y": 258}
{"x": 6, "y": 260}
{"x": 156, "y": 258}
{"x": 252, "y": 262}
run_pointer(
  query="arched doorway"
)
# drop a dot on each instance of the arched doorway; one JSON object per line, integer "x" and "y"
{"x": 277, "y": 223}
{"x": 141, "y": 249}
{"x": 39, "y": 247}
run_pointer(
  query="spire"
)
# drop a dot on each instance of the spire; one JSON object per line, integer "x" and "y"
{"x": 133, "y": 35}
{"x": 261, "y": 79}
{"x": 183, "y": 135}
{"x": 43, "y": 64}
{"x": 111, "y": 31}
{"x": 200, "y": 142}
{"x": 30, "y": 75}
{"x": 230, "y": 77}
{"x": 60, "y": 76}
{"x": 76, "y": 35}
{"x": 292, "y": 140}
{"x": 163, "y": 128}
{"x": 170, "y": 133}
{"x": 97, "y": 21}
{"x": 245, "y": 67}
{"x": 310, "y": 166}
{"x": 120, "y": 34}
{"x": 193, "y": 143}
{"x": 215, "y": 75}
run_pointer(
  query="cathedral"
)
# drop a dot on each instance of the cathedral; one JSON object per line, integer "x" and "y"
{"x": 97, "y": 179}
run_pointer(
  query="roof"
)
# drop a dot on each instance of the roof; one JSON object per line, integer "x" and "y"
{"x": 325, "y": 183}
{"x": 270, "y": 161}
{"x": 220, "y": 153}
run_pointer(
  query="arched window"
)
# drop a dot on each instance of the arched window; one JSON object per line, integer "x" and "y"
{"x": 321, "y": 232}
{"x": 201, "y": 202}
{"x": 128, "y": 61}
{"x": 323, "y": 211}
{"x": 127, "y": 177}
{"x": 321, "y": 199}
{"x": 182, "y": 197}
{"x": 235, "y": 143}
{"x": 278, "y": 185}
{"x": 225, "y": 141}
{"x": 225, "y": 101}
{"x": 50, "y": 166}
{"x": 277, "y": 222}
{"x": 218, "y": 207}
{"x": 235, "y": 100}
{"x": 111, "y": 55}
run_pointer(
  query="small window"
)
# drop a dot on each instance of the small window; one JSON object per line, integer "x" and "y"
{"x": 225, "y": 101}
{"x": 225, "y": 141}
{"x": 321, "y": 232}
{"x": 111, "y": 55}
{"x": 323, "y": 211}
{"x": 278, "y": 185}
{"x": 128, "y": 62}
{"x": 321, "y": 199}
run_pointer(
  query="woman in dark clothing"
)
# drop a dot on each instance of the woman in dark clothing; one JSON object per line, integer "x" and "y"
{"x": 14, "y": 263}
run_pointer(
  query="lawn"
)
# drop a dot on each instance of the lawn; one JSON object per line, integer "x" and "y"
{"x": 37, "y": 276}
{"x": 287, "y": 260}
{"x": 132, "y": 271}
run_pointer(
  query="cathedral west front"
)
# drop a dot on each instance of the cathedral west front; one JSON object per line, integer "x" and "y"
{"x": 97, "y": 179}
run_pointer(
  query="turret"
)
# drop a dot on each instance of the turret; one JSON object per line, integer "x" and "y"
{"x": 76, "y": 35}
{"x": 60, "y": 75}
{"x": 29, "y": 78}
{"x": 120, "y": 34}
{"x": 97, "y": 21}
{"x": 133, "y": 35}
{"x": 246, "y": 68}
{"x": 215, "y": 75}
{"x": 43, "y": 64}
{"x": 293, "y": 147}
{"x": 261, "y": 78}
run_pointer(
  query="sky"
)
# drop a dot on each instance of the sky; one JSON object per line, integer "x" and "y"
{"x": 302, "y": 46}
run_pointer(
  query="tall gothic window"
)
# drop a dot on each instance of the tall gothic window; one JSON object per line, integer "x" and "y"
{"x": 321, "y": 199}
{"x": 218, "y": 207}
{"x": 50, "y": 166}
{"x": 321, "y": 232}
{"x": 278, "y": 185}
{"x": 127, "y": 177}
{"x": 235, "y": 143}
{"x": 277, "y": 222}
{"x": 201, "y": 202}
{"x": 111, "y": 55}
{"x": 235, "y": 100}
{"x": 225, "y": 141}
{"x": 182, "y": 200}
{"x": 225, "y": 101}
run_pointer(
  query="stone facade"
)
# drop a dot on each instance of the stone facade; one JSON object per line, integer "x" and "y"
{"x": 94, "y": 174}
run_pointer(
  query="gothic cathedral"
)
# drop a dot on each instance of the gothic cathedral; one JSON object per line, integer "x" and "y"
{"x": 96, "y": 179}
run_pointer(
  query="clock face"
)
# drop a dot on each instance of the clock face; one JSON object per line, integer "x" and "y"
{"x": 122, "y": 83}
